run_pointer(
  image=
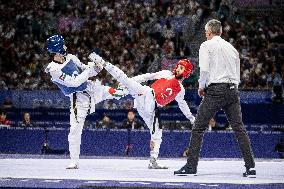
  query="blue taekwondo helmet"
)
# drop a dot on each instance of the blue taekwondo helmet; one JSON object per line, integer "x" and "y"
{"x": 55, "y": 44}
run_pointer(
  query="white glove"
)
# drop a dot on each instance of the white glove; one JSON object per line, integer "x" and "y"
{"x": 96, "y": 58}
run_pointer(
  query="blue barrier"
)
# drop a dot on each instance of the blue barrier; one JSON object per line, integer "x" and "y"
{"x": 112, "y": 142}
{"x": 55, "y": 98}
{"x": 252, "y": 114}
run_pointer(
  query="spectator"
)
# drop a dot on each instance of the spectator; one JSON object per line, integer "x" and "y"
{"x": 119, "y": 30}
{"x": 274, "y": 79}
{"x": 3, "y": 118}
{"x": 131, "y": 122}
{"x": 3, "y": 85}
{"x": 7, "y": 103}
{"x": 130, "y": 33}
{"x": 212, "y": 124}
{"x": 109, "y": 105}
{"x": 258, "y": 42}
{"x": 26, "y": 121}
{"x": 127, "y": 104}
{"x": 106, "y": 123}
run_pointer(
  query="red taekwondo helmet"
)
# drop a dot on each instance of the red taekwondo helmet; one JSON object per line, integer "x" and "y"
{"x": 188, "y": 68}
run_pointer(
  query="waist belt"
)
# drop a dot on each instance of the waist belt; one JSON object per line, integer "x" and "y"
{"x": 228, "y": 85}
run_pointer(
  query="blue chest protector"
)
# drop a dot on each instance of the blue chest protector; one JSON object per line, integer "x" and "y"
{"x": 71, "y": 69}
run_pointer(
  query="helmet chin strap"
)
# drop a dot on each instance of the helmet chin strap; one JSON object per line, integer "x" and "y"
{"x": 64, "y": 55}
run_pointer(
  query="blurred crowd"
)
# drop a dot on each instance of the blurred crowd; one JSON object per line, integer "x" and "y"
{"x": 261, "y": 44}
{"x": 136, "y": 35}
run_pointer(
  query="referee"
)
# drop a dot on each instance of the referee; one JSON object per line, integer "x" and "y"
{"x": 218, "y": 85}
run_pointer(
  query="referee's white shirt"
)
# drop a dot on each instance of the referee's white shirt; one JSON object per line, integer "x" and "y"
{"x": 221, "y": 60}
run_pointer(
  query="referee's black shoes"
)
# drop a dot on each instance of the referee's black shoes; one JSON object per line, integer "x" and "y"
{"x": 250, "y": 172}
{"x": 186, "y": 170}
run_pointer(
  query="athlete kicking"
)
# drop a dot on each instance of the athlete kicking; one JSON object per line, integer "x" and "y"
{"x": 167, "y": 87}
{"x": 71, "y": 76}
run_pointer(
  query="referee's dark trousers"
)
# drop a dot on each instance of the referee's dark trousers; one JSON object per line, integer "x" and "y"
{"x": 220, "y": 96}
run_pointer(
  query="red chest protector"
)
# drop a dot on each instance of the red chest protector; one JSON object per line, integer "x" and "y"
{"x": 166, "y": 90}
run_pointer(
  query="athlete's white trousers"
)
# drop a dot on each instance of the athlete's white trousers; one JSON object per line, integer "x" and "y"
{"x": 144, "y": 103}
{"x": 81, "y": 105}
